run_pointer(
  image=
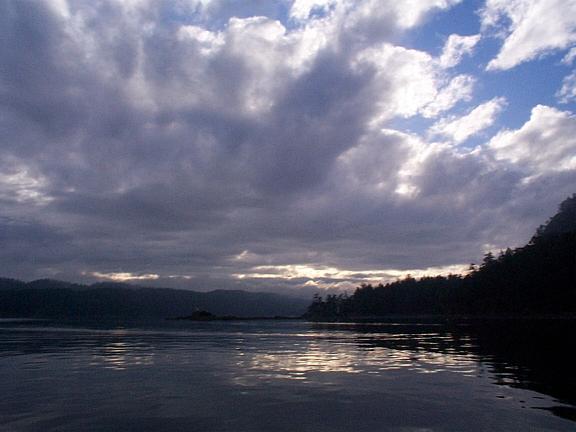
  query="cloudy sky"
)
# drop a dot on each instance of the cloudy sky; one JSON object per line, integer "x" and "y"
{"x": 280, "y": 145}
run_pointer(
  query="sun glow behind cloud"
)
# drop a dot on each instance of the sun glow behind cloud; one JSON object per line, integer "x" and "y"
{"x": 124, "y": 276}
{"x": 331, "y": 277}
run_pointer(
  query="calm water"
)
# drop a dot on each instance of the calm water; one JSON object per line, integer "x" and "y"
{"x": 284, "y": 376}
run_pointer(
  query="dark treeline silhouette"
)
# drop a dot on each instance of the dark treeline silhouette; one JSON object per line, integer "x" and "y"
{"x": 56, "y": 299}
{"x": 537, "y": 279}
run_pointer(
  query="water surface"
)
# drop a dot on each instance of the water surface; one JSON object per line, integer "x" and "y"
{"x": 284, "y": 376}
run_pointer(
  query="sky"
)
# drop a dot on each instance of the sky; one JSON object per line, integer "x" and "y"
{"x": 279, "y": 145}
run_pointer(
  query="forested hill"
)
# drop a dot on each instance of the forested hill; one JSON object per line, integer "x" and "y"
{"x": 56, "y": 299}
{"x": 535, "y": 280}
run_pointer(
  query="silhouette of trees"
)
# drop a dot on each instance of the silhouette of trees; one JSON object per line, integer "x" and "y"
{"x": 539, "y": 278}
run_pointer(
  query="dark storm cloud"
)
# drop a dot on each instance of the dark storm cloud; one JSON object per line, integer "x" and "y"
{"x": 320, "y": 116}
{"x": 129, "y": 143}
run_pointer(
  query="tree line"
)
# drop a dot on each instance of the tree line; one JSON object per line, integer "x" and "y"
{"x": 536, "y": 279}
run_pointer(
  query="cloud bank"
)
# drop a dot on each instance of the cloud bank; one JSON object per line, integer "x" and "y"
{"x": 212, "y": 144}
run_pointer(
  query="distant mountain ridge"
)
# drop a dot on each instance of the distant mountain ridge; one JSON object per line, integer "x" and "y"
{"x": 46, "y": 298}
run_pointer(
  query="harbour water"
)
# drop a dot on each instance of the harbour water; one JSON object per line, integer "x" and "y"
{"x": 285, "y": 376}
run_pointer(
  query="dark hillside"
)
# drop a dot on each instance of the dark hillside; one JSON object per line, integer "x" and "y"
{"x": 57, "y": 299}
{"x": 535, "y": 280}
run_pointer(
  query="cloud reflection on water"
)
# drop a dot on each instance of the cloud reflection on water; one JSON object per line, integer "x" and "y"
{"x": 252, "y": 375}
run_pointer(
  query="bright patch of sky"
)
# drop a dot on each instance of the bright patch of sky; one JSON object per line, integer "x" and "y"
{"x": 525, "y": 85}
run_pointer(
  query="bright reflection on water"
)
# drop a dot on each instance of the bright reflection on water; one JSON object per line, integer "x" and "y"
{"x": 283, "y": 376}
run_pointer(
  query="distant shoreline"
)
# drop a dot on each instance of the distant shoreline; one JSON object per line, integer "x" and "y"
{"x": 236, "y": 318}
{"x": 434, "y": 319}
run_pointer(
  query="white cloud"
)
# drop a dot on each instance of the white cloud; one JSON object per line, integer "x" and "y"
{"x": 206, "y": 40}
{"x": 545, "y": 143}
{"x": 410, "y": 82}
{"x": 405, "y": 80}
{"x": 460, "y": 88}
{"x": 375, "y": 164}
{"x": 355, "y": 13}
{"x": 301, "y": 9}
{"x": 569, "y": 57}
{"x": 455, "y": 48}
{"x": 567, "y": 93}
{"x": 405, "y": 14}
{"x": 462, "y": 128}
{"x": 530, "y": 28}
